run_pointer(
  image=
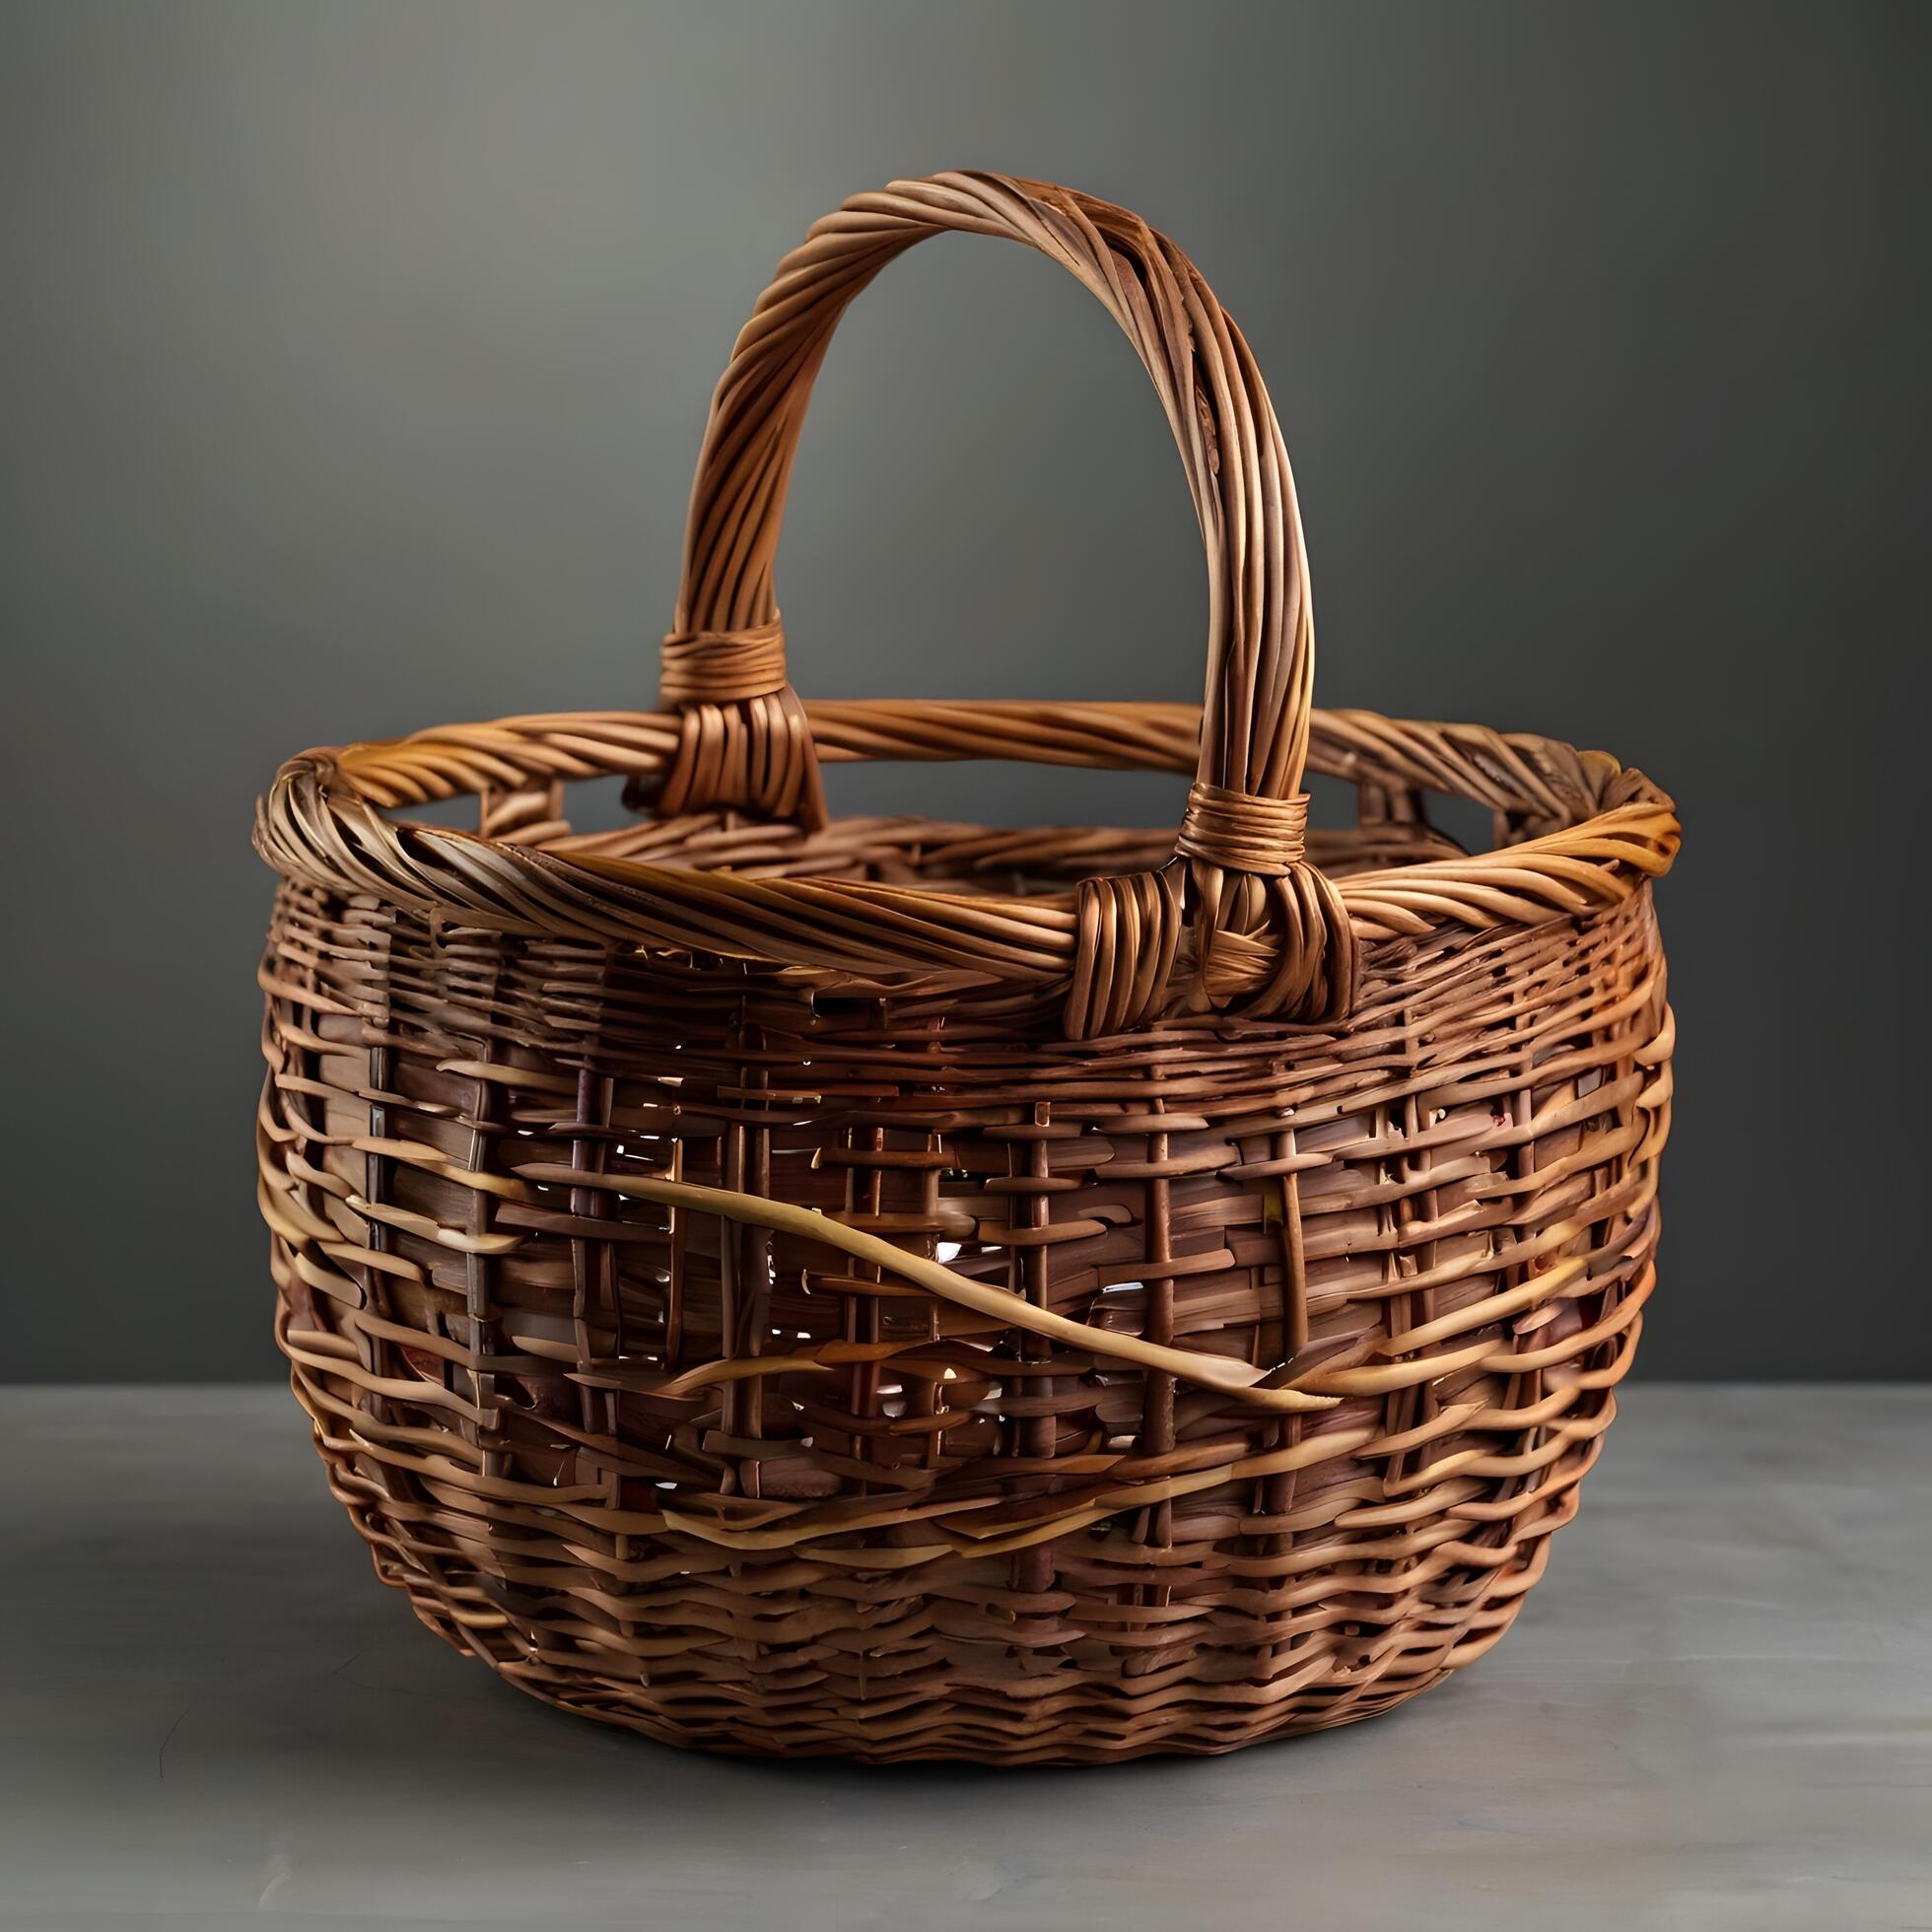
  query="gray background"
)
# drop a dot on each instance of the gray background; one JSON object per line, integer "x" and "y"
{"x": 355, "y": 358}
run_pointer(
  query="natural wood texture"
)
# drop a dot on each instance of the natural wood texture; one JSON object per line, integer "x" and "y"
{"x": 904, "y": 1289}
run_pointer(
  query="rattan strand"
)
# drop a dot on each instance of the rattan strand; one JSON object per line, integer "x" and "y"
{"x": 904, "y": 1289}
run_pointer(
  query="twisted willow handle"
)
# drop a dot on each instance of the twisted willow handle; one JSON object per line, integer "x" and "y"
{"x": 744, "y": 739}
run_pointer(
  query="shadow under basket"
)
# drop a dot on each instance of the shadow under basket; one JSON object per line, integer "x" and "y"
{"x": 897, "y": 1289}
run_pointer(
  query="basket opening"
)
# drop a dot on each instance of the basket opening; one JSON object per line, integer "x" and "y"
{"x": 1008, "y": 793}
{"x": 962, "y": 827}
{"x": 1386, "y": 793}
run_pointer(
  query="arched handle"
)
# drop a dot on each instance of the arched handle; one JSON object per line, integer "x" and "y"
{"x": 1239, "y": 866}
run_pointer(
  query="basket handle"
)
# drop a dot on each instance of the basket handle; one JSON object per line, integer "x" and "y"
{"x": 744, "y": 739}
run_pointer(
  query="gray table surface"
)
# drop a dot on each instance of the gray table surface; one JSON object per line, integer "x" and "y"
{"x": 1715, "y": 1713}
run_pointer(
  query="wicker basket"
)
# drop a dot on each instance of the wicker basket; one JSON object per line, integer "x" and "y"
{"x": 902, "y": 1289}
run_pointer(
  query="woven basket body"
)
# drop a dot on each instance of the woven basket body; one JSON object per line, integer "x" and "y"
{"x": 895, "y": 1290}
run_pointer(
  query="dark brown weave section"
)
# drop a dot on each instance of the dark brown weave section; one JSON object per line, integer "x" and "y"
{"x": 741, "y": 1490}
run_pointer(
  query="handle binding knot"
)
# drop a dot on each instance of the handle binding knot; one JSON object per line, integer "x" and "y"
{"x": 743, "y": 739}
{"x": 1242, "y": 833}
{"x": 1271, "y": 938}
{"x": 718, "y": 666}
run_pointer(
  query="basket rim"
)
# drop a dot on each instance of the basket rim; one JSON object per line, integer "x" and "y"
{"x": 1596, "y": 833}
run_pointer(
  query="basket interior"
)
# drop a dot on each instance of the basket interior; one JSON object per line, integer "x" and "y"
{"x": 1354, "y": 829}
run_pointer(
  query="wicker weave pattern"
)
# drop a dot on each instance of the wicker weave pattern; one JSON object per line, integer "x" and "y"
{"x": 902, "y": 1289}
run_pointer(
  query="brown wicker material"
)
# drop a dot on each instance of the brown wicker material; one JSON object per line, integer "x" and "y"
{"x": 906, "y": 1290}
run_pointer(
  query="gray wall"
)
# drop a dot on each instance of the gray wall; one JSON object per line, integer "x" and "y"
{"x": 356, "y": 357}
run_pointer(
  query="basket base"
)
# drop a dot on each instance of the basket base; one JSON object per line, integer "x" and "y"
{"x": 1173, "y": 1741}
{"x": 1088, "y": 1720}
